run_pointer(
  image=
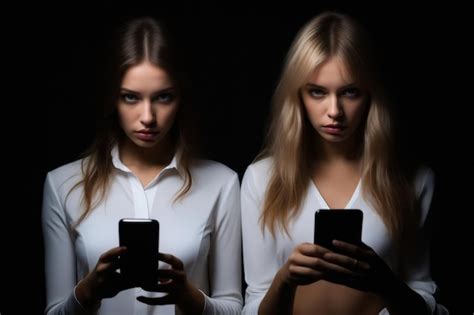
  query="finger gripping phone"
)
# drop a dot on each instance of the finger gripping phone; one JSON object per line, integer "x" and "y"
{"x": 139, "y": 263}
{"x": 337, "y": 224}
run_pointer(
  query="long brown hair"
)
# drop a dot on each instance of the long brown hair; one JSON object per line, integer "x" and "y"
{"x": 289, "y": 140}
{"x": 141, "y": 39}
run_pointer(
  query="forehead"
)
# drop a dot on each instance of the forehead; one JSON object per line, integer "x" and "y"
{"x": 145, "y": 77}
{"x": 332, "y": 73}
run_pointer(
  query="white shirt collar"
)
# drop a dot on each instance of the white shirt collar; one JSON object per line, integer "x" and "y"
{"x": 119, "y": 164}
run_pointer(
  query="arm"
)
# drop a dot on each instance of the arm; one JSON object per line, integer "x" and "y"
{"x": 259, "y": 250}
{"x": 225, "y": 254}
{"x": 417, "y": 270}
{"x": 272, "y": 282}
{"x": 304, "y": 266}
{"x": 60, "y": 262}
{"x": 370, "y": 273}
{"x": 414, "y": 292}
{"x": 280, "y": 296}
{"x": 64, "y": 296}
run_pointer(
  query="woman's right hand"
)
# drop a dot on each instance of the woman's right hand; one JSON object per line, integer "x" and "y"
{"x": 102, "y": 282}
{"x": 307, "y": 265}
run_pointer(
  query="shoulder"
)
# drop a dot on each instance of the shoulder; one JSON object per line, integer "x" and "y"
{"x": 424, "y": 186}
{"x": 212, "y": 171}
{"x": 257, "y": 175}
{"x": 424, "y": 181}
{"x": 261, "y": 167}
{"x": 66, "y": 175}
{"x": 259, "y": 170}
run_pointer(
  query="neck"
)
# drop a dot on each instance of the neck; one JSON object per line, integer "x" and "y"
{"x": 348, "y": 151}
{"x": 135, "y": 156}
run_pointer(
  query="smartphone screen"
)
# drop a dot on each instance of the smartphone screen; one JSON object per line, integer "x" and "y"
{"x": 337, "y": 224}
{"x": 139, "y": 264}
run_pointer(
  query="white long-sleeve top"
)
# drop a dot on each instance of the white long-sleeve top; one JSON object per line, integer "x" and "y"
{"x": 264, "y": 255}
{"x": 202, "y": 229}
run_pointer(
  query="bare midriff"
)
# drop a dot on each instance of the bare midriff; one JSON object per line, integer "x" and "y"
{"x": 326, "y": 298}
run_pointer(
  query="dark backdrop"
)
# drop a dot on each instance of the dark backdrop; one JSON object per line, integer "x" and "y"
{"x": 236, "y": 56}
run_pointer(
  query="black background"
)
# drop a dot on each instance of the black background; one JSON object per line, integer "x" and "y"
{"x": 237, "y": 53}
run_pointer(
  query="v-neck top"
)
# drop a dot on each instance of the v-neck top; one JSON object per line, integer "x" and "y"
{"x": 324, "y": 205}
{"x": 265, "y": 255}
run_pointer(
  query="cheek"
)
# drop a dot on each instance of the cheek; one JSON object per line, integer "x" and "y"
{"x": 314, "y": 113}
{"x": 125, "y": 116}
{"x": 122, "y": 117}
{"x": 167, "y": 116}
{"x": 355, "y": 113}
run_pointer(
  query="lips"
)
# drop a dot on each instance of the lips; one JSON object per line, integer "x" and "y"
{"x": 146, "y": 135}
{"x": 335, "y": 126}
{"x": 334, "y": 129}
{"x": 147, "y": 131}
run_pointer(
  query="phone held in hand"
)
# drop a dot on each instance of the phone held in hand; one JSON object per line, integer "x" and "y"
{"x": 337, "y": 224}
{"x": 139, "y": 264}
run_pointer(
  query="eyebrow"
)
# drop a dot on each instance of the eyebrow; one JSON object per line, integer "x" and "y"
{"x": 353, "y": 84}
{"x": 167, "y": 89}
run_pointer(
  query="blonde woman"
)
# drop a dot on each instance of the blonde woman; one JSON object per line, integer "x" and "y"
{"x": 142, "y": 166}
{"x": 330, "y": 145}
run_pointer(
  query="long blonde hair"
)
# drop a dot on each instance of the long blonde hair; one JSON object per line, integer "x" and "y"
{"x": 142, "y": 39}
{"x": 289, "y": 140}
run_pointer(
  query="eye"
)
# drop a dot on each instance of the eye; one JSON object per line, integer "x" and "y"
{"x": 164, "y": 98}
{"x": 128, "y": 98}
{"x": 316, "y": 92}
{"x": 352, "y": 92}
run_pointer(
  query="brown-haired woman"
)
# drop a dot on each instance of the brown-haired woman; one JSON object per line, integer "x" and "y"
{"x": 142, "y": 166}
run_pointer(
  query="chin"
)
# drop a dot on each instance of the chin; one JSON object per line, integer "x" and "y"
{"x": 145, "y": 144}
{"x": 334, "y": 139}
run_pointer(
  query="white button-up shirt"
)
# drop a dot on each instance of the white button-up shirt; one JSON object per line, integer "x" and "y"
{"x": 202, "y": 230}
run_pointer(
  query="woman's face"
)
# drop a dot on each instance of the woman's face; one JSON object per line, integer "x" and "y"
{"x": 334, "y": 102}
{"x": 147, "y": 105}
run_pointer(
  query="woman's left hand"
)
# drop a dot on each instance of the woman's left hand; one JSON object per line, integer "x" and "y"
{"x": 174, "y": 282}
{"x": 369, "y": 271}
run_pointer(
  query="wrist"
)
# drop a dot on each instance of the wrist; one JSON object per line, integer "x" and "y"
{"x": 280, "y": 297}
{"x": 390, "y": 290}
{"x": 399, "y": 298}
{"x": 192, "y": 300}
{"x": 85, "y": 297}
{"x": 283, "y": 280}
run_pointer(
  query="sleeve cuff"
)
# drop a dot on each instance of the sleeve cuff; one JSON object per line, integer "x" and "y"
{"x": 207, "y": 309}
{"x": 78, "y": 307}
{"x": 216, "y": 306}
{"x": 72, "y": 305}
{"x": 435, "y": 309}
{"x": 251, "y": 308}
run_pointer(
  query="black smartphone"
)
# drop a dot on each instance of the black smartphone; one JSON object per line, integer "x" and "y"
{"x": 337, "y": 224}
{"x": 139, "y": 264}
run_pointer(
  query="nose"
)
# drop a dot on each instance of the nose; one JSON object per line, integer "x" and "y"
{"x": 148, "y": 116}
{"x": 334, "y": 110}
